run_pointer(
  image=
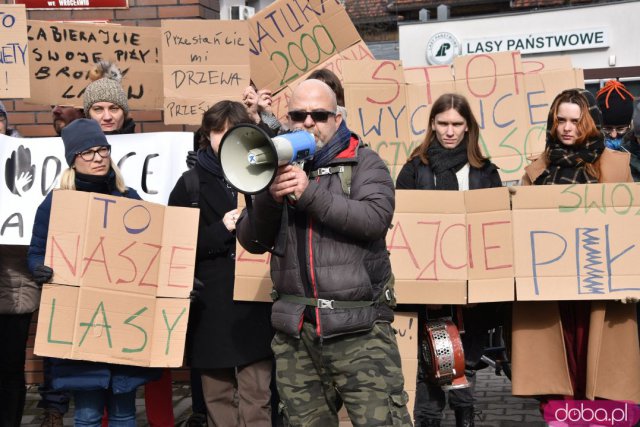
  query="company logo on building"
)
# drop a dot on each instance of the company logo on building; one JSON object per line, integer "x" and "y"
{"x": 442, "y": 48}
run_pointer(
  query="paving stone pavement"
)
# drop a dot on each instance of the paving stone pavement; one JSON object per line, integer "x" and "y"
{"x": 498, "y": 408}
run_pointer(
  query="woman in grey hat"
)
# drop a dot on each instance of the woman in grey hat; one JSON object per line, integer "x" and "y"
{"x": 95, "y": 386}
{"x": 105, "y": 101}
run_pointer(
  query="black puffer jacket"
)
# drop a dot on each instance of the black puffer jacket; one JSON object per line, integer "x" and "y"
{"x": 415, "y": 175}
{"x": 346, "y": 258}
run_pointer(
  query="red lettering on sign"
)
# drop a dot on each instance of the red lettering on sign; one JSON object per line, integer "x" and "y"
{"x": 375, "y": 76}
{"x": 91, "y": 259}
{"x": 151, "y": 262}
{"x": 469, "y": 78}
{"x": 131, "y": 261}
{"x": 258, "y": 258}
{"x": 444, "y": 234}
{"x": 173, "y": 266}
{"x": 488, "y": 248}
{"x": 405, "y": 243}
{"x": 54, "y": 245}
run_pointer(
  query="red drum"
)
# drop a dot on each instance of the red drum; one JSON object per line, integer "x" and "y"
{"x": 443, "y": 352}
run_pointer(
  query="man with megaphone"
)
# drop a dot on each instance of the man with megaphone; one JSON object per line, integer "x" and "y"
{"x": 333, "y": 285}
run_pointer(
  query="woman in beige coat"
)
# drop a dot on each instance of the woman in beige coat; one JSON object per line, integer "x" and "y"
{"x": 576, "y": 349}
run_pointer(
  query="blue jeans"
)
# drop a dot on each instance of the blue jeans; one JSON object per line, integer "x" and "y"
{"x": 90, "y": 407}
{"x": 49, "y": 398}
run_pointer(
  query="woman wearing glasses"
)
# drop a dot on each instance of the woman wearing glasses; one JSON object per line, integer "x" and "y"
{"x": 616, "y": 104}
{"x": 95, "y": 386}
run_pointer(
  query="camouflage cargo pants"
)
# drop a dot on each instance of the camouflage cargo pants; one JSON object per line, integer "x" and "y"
{"x": 362, "y": 370}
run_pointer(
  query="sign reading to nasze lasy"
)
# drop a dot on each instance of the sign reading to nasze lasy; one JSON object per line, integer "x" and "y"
{"x": 14, "y": 63}
{"x": 203, "y": 62}
{"x": 123, "y": 270}
{"x": 61, "y": 56}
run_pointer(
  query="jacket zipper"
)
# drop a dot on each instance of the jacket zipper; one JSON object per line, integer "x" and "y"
{"x": 312, "y": 274}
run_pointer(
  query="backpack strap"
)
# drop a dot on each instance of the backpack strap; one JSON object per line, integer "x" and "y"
{"x": 343, "y": 171}
{"x": 192, "y": 183}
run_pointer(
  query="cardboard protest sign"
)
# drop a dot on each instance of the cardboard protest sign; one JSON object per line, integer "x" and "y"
{"x": 151, "y": 163}
{"x": 494, "y": 86}
{"x": 203, "y": 62}
{"x": 424, "y": 86}
{"x": 253, "y": 273}
{"x": 62, "y": 54}
{"x": 14, "y": 65}
{"x": 375, "y": 93}
{"x": 447, "y": 247}
{"x": 407, "y": 337}
{"x": 577, "y": 242}
{"x": 123, "y": 270}
{"x": 290, "y": 37}
{"x": 280, "y": 100}
{"x": 451, "y": 247}
{"x": 510, "y": 99}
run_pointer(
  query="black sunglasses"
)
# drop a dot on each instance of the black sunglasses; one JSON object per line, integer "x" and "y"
{"x": 319, "y": 116}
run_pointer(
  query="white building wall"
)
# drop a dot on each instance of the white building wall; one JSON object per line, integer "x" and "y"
{"x": 621, "y": 22}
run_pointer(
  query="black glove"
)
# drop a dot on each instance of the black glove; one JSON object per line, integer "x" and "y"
{"x": 196, "y": 293}
{"x": 42, "y": 274}
{"x": 192, "y": 158}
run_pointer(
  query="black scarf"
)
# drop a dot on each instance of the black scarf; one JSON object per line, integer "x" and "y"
{"x": 210, "y": 162}
{"x": 567, "y": 162}
{"x": 446, "y": 162}
{"x": 339, "y": 142}
{"x": 104, "y": 184}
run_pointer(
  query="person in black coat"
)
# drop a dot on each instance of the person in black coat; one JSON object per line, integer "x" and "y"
{"x": 228, "y": 341}
{"x": 449, "y": 158}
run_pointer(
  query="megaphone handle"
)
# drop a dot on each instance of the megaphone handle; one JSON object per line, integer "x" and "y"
{"x": 278, "y": 248}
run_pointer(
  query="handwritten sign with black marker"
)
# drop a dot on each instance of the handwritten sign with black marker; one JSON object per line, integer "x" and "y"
{"x": 203, "y": 62}
{"x": 62, "y": 54}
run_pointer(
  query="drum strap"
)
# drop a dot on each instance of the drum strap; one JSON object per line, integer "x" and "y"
{"x": 460, "y": 319}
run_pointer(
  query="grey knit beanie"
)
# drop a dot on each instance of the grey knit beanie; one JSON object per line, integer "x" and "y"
{"x": 105, "y": 88}
{"x": 81, "y": 135}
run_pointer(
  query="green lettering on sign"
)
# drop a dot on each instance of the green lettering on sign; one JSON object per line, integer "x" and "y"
{"x": 49, "y": 339}
{"x": 128, "y": 322}
{"x": 91, "y": 324}
{"x": 170, "y": 328}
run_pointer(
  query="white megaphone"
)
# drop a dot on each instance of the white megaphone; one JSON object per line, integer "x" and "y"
{"x": 250, "y": 158}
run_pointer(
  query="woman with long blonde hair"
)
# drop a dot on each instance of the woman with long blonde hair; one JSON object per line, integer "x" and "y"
{"x": 95, "y": 386}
